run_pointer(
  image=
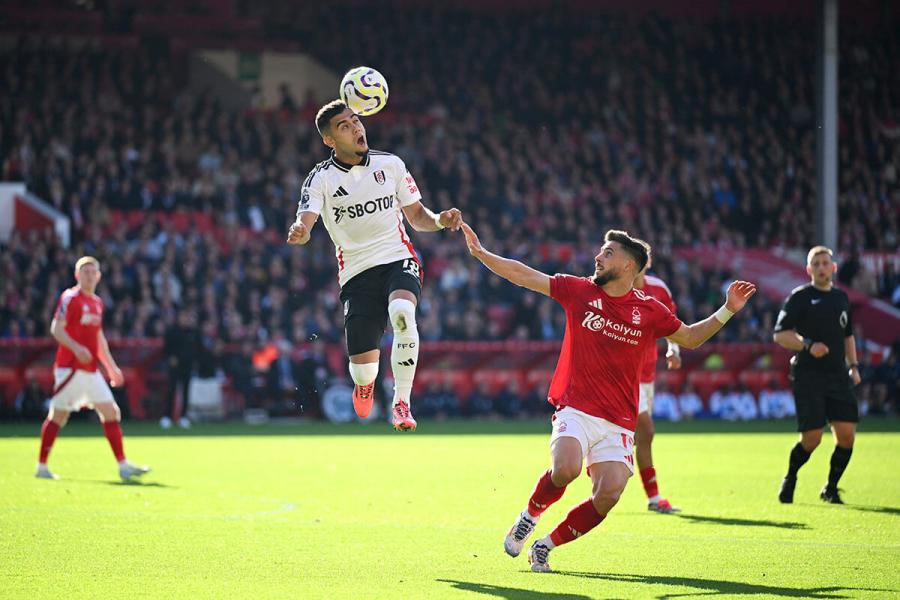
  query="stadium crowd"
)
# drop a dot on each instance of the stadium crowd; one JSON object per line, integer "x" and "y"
{"x": 692, "y": 135}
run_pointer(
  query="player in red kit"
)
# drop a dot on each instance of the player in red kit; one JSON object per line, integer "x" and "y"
{"x": 643, "y": 438}
{"x": 609, "y": 326}
{"x": 78, "y": 327}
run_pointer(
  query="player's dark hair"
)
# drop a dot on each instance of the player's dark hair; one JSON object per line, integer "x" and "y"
{"x": 646, "y": 245}
{"x": 323, "y": 117}
{"x": 639, "y": 250}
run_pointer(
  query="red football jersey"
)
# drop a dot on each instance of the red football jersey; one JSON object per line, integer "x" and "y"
{"x": 604, "y": 346}
{"x": 84, "y": 319}
{"x": 656, "y": 287}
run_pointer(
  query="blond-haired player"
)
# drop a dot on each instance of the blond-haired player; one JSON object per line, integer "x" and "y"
{"x": 78, "y": 327}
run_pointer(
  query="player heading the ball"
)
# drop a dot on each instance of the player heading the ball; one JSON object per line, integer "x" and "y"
{"x": 362, "y": 196}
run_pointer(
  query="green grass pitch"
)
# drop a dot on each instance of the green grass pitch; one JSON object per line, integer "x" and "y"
{"x": 320, "y": 511}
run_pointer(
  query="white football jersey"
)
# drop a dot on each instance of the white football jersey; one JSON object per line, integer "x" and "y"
{"x": 360, "y": 207}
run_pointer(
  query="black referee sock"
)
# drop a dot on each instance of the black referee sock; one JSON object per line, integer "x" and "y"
{"x": 839, "y": 459}
{"x": 799, "y": 456}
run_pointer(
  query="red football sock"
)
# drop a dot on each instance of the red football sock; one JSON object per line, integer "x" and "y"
{"x": 648, "y": 476}
{"x": 114, "y": 434}
{"x": 578, "y": 522}
{"x": 544, "y": 494}
{"x": 48, "y": 435}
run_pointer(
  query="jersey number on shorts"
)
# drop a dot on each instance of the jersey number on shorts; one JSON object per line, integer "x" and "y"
{"x": 412, "y": 267}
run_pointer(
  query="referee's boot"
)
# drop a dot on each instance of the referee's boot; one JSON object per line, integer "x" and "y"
{"x": 786, "y": 494}
{"x": 831, "y": 495}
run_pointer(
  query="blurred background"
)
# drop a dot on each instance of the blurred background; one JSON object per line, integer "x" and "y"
{"x": 169, "y": 139}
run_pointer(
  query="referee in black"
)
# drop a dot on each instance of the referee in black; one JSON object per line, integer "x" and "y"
{"x": 815, "y": 323}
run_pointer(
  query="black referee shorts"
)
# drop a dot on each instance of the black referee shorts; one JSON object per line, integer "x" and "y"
{"x": 365, "y": 300}
{"x": 822, "y": 396}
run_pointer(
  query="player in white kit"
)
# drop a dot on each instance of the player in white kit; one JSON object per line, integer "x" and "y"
{"x": 362, "y": 196}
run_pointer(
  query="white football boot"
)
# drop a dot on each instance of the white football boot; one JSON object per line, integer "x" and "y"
{"x": 519, "y": 533}
{"x": 44, "y": 473}
{"x": 539, "y": 557}
{"x": 128, "y": 470}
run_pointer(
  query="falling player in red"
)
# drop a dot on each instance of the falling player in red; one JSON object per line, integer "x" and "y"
{"x": 643, "y": 439}
{"x": 78, "y": 327}
{"x": 609, "y": 326}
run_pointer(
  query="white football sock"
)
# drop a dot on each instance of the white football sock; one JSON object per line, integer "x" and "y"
{"x": 405, "y": 354}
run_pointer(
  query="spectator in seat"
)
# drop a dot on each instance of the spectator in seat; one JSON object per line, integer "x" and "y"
{"x": 430, "y": 403}
{"x": 480, "y": 403}
{"x": 29, "y": 403}
{"x": 744, "y": 404}
{"x": 449, "y": 400}
{"x": 886, "y": 385}
{"x": 689, "y": 403}
{"x": 665, "y": 403}
{"x": 509, "y": 401}
{"x": 776, "y": 403}
{"x": 718, "y": 402}
{"x": 536, "y": 404}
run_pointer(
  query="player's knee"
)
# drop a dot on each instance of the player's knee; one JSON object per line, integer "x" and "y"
{"x": 811, "y": 443}
{"x": 606, "y": 497}
{"x": 608, "y": 493}
{"x": 60, "y": 418}
{"x": 562, "y": 474}
{"x": 402, "y": 313}
{"x": 846, "y": 439}
{"x": 363, "y": 373}
{"x": 109, "y": 412}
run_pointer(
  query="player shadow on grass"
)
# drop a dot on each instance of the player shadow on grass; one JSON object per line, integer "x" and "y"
{"x": 133, "y": 483}
{"x": 143, "y": 484}
{"x": 710, "y": 587}
{"x": 887, "y": 510}
{"x": 743, "y": 522}
{"x": 884, "y": 510}
{"x": 510, "y": 593}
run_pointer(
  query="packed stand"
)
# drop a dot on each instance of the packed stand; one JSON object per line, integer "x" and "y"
{"x": 696, "y": 137}
{"x": 701, "y": 134}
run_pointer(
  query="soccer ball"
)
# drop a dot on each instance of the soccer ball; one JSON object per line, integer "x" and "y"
{"x": 364, "y": 90}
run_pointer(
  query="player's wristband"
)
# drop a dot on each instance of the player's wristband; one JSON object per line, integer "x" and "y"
{"x": 807, "y": 344}
{"x": 675, "y": 349}
{"x": 437, "y": 221}
{"x": 854, "y": 365}
{"x": 723, "y": 314}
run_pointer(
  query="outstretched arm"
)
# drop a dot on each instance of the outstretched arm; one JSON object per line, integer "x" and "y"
{"x": 423, "y": 219}
{"x": 511, "y": 270}
{"x": 692, "y": 336}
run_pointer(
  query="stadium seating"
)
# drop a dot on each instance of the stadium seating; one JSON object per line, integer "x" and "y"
{"x": 180, "y": 184}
